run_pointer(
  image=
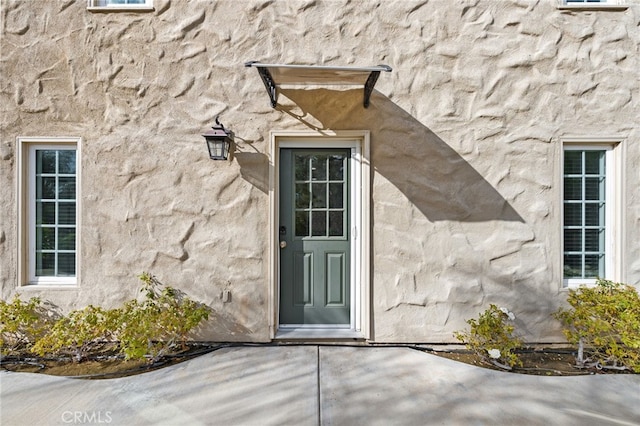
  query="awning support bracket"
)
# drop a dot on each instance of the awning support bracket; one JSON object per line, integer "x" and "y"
{"x": 270, "y": 84}
{"x": 368, "y": 87}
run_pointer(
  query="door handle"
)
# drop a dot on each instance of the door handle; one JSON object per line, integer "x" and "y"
{"x": 283, "y": 244}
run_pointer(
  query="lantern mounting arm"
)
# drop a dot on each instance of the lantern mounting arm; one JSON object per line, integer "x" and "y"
{"x": 275, "y": 76}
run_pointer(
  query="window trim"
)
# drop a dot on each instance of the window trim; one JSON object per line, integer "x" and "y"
{"x": 614, "y": 190}
{"x": 609, "y": 5}
{"x": 95, "y": 6}
{"x": 25, "y": 181}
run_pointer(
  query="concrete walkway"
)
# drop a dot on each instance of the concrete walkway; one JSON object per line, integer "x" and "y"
{"x": 311, "y": 385}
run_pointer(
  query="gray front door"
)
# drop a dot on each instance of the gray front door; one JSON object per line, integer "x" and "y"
{"x": 314, "y": 237}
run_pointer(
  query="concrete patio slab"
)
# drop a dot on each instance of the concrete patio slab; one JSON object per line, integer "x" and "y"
{"x": 328, "y": 385}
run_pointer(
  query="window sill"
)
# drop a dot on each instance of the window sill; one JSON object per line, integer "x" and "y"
{"x": 103, "y": 9}
{"x": 43, "y": 287}
{"x": 593, "y": 6}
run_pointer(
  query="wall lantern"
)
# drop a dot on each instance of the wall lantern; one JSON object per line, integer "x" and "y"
{"x": 219, "y": 141}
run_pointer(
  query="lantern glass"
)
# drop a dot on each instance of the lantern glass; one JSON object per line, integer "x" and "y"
{"x": 218, "y": 148}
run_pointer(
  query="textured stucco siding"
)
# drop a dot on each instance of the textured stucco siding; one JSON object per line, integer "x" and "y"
{"x": 465, "y": 141}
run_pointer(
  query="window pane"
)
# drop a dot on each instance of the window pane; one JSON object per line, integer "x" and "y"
{"x": 67, "y": 188}
{"x": 319, "y": 167}
{"x": 594, "y": 240}
{"x": 336, "y": 224}
{"x": 67, "y": 162}
{"x": 336, "y": 167}
{"x": 594, "y": 189}
{"x": 302, "y": 195}
{"x": 572, "y": 214}
{"x": 572, "y": 265}
{"x": 45, "y": 213}
{"x": 66, "y": 264}
{"x": 318, "y": 223}
{"x": 572, "y": 162}
{"x": 302, "y": 167}
{"x": 302, "y": 224}
{"x": 593, "y": 266}
{"x": 45, "y": 264}
{"x": 46, "y": 188}
{"x": 319, "y": 194}
{"x": 45, "y": 238}
{"x": 67, "y": 213}
{"x": 573, "y": 240}
{"x": 572, "y": 188}
{"x": 594, "y": 162}
{"x": 45, "y": 161}
{"x": 594, "y": 214}
{"x": 66, "y": 239}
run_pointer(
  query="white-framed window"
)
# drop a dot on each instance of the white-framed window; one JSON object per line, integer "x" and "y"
{"x": 48, "y": 210}
{"x": 592, "y": 4}
{"x": 591, "y": 211}
{"x": 115, "y": 5}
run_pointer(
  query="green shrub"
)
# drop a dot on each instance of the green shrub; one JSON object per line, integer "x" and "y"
{"x": 492, "y": 339}
{"x": 79, "y": 333}
{"x": 160, "y": 323}
{"x": 604, "y": 321}
{"x": 21, "y": 324}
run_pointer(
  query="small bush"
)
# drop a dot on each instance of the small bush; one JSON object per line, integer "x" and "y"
{"x": 79, "y": 333}
{"x": 604, "y": 321}
{"x": 21, "y": 324}
{"x": 492, "y": 339}
{"x": 160, "y": 323}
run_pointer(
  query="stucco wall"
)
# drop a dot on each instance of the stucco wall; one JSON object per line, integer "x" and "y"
{"x": 464, "y": 132}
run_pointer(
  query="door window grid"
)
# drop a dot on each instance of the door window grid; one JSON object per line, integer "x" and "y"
{"x": 55, "y": 208}
{"x": 320, "y": 195}
{"x": 584, "y": 213}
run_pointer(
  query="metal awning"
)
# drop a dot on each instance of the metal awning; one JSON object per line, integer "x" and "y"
{"x": 276, "y": 75}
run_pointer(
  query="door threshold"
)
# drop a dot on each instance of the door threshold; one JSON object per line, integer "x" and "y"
{"x": 305, "y": 333}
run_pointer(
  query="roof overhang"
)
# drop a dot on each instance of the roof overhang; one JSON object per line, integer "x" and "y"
{"x": 274, "y": 76}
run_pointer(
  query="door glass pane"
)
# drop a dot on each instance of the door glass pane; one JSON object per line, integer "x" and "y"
{"x": 302, "y": 223}
{"x": 336, "y": 167}
{"x": 319, "y": 167}
{"x": 336, "y": 195}
{"x": 336, "y": 224}
{"x": 67, "y": 188}
{"x": 319, "y": 191}
{"x": 319, "y": 223}
{"x": 302, "y": 167}
{"x": 302, "y": 195}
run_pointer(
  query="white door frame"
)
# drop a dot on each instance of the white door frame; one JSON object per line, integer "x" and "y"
{"x": 359, "y": 142}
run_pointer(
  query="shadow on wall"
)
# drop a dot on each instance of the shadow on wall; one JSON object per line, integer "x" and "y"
{"x": 433, "y": 176}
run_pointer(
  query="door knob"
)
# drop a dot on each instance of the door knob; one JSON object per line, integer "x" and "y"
{"x": 283, "y": 244}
